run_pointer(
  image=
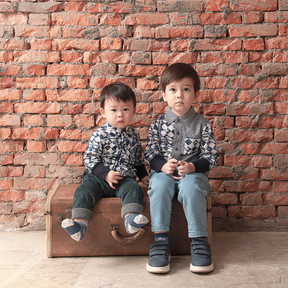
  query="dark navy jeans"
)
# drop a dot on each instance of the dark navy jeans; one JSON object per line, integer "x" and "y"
{"x": 94, "y": 188}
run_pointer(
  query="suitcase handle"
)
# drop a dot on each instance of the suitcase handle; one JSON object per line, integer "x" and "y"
{"x": 126, "y": 239}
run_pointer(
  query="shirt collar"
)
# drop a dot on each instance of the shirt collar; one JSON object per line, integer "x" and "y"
{"x": 186, "y": 118}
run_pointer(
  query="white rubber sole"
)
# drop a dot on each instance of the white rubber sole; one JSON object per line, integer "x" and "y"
{"x": 159, "y": 270}
{"x": 199, "y": 269}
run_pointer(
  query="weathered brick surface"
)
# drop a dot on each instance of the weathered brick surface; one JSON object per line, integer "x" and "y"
{"x": 56, "y": 56}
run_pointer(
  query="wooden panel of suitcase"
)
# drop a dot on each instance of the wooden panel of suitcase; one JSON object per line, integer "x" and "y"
{"x": 106, "y": 234}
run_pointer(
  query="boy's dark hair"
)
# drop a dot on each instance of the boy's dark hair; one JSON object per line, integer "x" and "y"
{"x": 178, "y": 71}
{"x": 118, "y": 91}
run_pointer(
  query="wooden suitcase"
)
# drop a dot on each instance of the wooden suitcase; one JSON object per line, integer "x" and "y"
{"x": 106, "y": 234}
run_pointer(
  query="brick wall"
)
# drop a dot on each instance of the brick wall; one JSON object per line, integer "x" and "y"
{"x": 55, "y": 57}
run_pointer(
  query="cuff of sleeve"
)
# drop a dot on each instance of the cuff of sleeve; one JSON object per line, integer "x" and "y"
{"x": 157, "y": 162}
{"x": 141, "y": 171}
{"x": 100, "y": 171}
{"x": 201, "y": 165}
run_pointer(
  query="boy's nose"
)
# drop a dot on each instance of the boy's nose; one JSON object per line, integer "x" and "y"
{"x": 179, "y": 94}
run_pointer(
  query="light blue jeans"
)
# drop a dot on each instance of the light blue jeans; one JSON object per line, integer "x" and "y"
{"x": 191, "y": 192}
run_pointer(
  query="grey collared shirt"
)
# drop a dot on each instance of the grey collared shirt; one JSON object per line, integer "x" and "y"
{"x": 189, "y": 138}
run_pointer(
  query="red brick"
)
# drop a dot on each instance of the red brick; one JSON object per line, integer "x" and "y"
{"x": 250, "y": 5}
{"x": 277, "y": 148}
{"x": 145, "y": 45}
{"x": 251, "y": 199}
{"x": 253, "y": 17}
{"x": 225, "y": 198}
{"x": 276, "y": 199}
{"x": 32, "y": 107}
{"x": 77, "y": 82}
{"x": 41, "y": 44}
{"x": 253, "y": 109}
{"x": 69, "y": 69}
{"x": 11, "y": 146}
{"x": 117, "y": 7}
{"x": 111, "y": 44}
{"x": 137, "y": 70}
{"x": 9, "y": 120}
{"x": 6, "y": 184}
{"x": 35, "y": 70}
{"x": 253, "y": 31}
{"x": 249, "y": 135}
{"x": 73, "y": 32}
{"x": 77, "y": 44}
{"x": 144, "y": 31}
{"x": 169, "y": 58}
{"x": 179, "y": 32}
{"x": 67, "y": 19}
{"x": 255, "y": 44}
{"x": 84, "y": 121}
{"x": 146, "y": 84}
{"x": 283, "y": 211}
{"x": 141, "y": 58}
{"x": 37, "y": 83}
{"x": 276, "y": 43}
{"x": 76, "y": 160}
{"x": 10, "y": 70}
{"x": 39, "y": 19}
{"x": 70, "y": 134}
{"x": 283, "y": 30}
{"x": 10, "y": 95}
{"x": 75, "y": 6}
{"x": 281, "y": 135}
{"x": 273, "y": 174}
{"x": 6, "y": 56}
{"x": 221, "y": 172}
{"x": 5, "y": 133}
{"x": 279, "y": 187}
{"x": 216, "y": 5}
{"x": 26, "y": 133}
{"x": 144, "y": 19}
{"x": 33, "y": 120}
{"x": 218, "y": 44}
{"x": 216, "y": 19}
{"x": 71, "y": 56}
{"x": 71, "y": 146}
{"x": 281, "y": 162}
{"x": 34, "y": 95}
{"x": 34, "y": 171}
{"x": 68, "y": 95}
{"x": 36, "y": 146}
{"x": 276, "y": 17}
{"x": 179, "y": 5}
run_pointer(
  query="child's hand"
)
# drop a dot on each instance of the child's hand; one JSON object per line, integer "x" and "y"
{"x": 145, "y": 180}
{"x": 169, "y": 166}
{"x": 113, "y": 178}
{"x": 185, "y": 168}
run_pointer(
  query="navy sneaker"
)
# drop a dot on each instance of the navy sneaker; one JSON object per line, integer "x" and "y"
{"x": 201, "y": 257}
{"x": 159, "y": 257}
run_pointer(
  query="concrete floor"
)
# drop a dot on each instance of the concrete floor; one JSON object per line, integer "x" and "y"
{"x": 241, "y": 259}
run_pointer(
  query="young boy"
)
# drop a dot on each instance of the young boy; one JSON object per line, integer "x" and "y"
{"x": 180, "y": 150}
{"x": 113, "y": 158}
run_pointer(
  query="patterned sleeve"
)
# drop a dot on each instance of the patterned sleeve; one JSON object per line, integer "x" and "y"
{"x": 138, "y": 157}
{"x": 152, "y": 147}
{"x": 208, "y": 146}
{"x": 93, "y": 151}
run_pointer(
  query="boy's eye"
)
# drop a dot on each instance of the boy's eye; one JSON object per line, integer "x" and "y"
{"x": 172, "y": 89}
{"x": 126, "y": 109}
{"x": 186, "y": 89}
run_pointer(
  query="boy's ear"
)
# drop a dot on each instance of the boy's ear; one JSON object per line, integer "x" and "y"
{"x": 163, "y": 95}
{"x": 102, "y": 112}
